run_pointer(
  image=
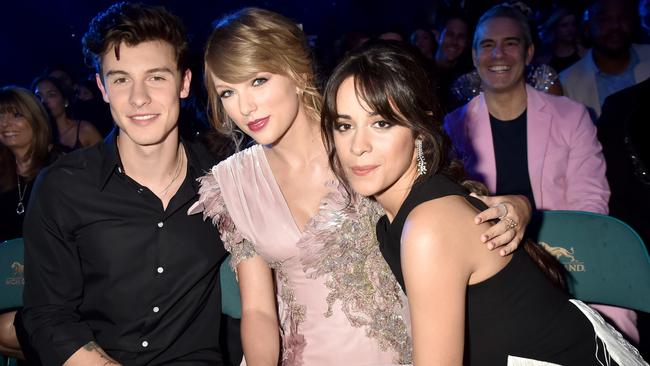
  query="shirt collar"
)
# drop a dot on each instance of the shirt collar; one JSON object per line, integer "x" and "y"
{"x": 199, "y": 159}
{"x": 111, "y": 160}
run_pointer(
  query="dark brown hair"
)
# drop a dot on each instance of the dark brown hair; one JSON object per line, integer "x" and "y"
{"x": 21, "y": 101}
{"x": 65, "y": 94}
{"x": 391, "y": 79}
{"x": 132, "y": 24}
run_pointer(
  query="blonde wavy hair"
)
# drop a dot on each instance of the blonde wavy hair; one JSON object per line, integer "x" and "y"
{"x": 254, "y": 40}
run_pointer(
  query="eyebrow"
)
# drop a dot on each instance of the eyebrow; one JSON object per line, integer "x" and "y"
{"x": 518, "y": 39}
{"x": 150, "y": 71}
{"x": 345, "y": 116}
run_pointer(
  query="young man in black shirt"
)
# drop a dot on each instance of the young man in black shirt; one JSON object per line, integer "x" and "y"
{"x": 116, "y": 271}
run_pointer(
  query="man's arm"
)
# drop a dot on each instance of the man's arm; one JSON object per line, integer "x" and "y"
{"x": 53, "y": 277}
{"x": 90, "y": 354}
{"x": 587, "y": 187}
{"x": 515, "y": 207}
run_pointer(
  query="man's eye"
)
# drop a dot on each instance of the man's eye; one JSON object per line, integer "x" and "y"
{"x": 259, "y": 81}
{"x": 157, "y": 78}
{"x": 119, "y": 81}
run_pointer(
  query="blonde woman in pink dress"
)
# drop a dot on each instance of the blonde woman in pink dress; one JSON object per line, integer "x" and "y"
{"x": 315, "y": 289}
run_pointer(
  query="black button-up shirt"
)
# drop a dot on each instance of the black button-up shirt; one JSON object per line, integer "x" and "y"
{"x": 105, "y": 262}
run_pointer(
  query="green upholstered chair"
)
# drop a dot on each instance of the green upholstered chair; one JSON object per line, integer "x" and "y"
{"x": 11, "y": 274}
{"x": 230, "y": 298}
{"x": 8, "y": 361}
{"x": 11, "y": 281}
{"x": 606, "y": 260}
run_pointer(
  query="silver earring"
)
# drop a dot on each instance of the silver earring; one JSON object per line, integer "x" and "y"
{"x": 422, "y": 164}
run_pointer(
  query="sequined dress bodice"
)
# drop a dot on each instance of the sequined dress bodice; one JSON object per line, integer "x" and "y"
{"x": 338, "y": 302}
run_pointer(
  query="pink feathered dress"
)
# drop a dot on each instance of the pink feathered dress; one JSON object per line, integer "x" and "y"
{"x": 338, "y": 301}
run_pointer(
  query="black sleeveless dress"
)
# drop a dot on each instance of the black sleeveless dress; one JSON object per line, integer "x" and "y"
{"x": 516, "y": 312}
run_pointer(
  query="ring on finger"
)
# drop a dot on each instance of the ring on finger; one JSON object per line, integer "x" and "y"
{"x": 503, "y": 210}
{"x": 510, "y": 222}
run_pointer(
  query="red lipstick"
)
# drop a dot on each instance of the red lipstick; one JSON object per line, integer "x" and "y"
{"x": 258, "y": 124}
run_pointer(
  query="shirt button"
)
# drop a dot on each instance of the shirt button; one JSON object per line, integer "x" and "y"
{"x": 145, "y": 344}
{"x": 156, "y": 309}
{"x": 160, "y": 270}
{"x": 160, "y": 224}
{"x": 140, "y": 190}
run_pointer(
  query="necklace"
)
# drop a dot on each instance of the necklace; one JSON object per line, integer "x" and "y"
{"x": 20, "y": 209}
{"x": 177, "y": 171}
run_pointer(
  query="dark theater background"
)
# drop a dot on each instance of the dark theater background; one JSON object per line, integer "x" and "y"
{"x": 40, "y": 33}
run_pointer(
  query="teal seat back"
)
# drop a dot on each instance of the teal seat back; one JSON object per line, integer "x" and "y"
{"x": 230, "y": 298}
{"x": 12, "y": 280}
{"x": 8, "y": 361}
{"x": 606, "y": 260}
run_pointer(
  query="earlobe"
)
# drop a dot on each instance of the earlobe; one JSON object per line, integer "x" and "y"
{"x": 529, "y": 54}
{"x": 185, "y": 84}
{"x": 100, "y": 85}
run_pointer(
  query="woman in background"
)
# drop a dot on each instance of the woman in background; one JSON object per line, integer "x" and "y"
{"x": 70, "y": 134}
{"x": 561, "y": 46}
{"x": 25, "y": 149}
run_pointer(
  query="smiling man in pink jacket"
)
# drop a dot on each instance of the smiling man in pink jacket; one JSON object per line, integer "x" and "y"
{"x": 518, "y": 140}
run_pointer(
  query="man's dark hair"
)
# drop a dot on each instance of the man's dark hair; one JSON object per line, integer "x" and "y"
{"x": 132, "y": 24}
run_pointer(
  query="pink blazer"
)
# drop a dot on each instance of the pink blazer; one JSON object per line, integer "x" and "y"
{"x": 565, "y": 161}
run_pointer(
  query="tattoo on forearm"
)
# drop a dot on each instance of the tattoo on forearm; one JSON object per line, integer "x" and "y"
{"x": 92, "y": 346}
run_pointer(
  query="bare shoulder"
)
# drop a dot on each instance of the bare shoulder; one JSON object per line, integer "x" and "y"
{"x": 88, "y": 133}
{"x": 87, "y": 126}
{"x": 444, "y": 231}
{"x": 444, "y": 225}
{"x": 442, "y": 219}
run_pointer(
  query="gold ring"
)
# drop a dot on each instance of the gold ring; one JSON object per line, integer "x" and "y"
{"x": 510, "y": 223}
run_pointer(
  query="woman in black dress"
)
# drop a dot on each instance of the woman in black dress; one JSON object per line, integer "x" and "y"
{"x": 468, "y": 305}
{"x": 25, "y": 149}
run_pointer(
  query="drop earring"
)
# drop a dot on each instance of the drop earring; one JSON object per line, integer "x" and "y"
{"x": 422, "y": 164}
